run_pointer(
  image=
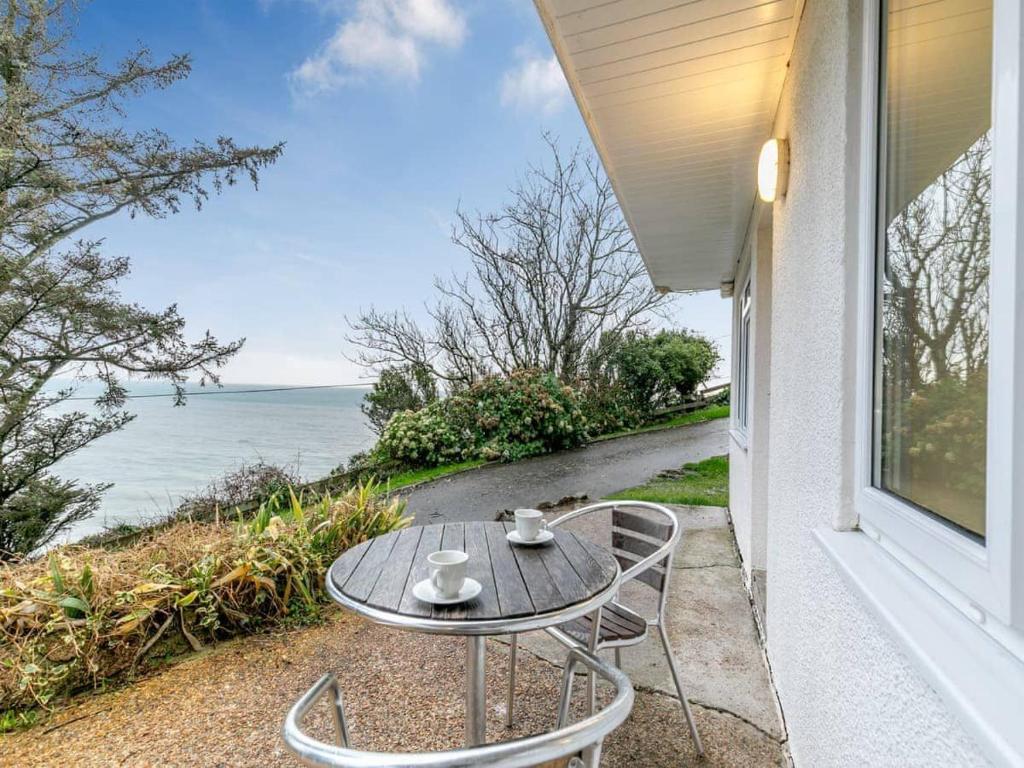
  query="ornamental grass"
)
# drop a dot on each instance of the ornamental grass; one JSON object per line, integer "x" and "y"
{"x": 86, "y": 617}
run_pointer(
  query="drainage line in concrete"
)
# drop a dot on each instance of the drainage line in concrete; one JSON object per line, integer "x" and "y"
{"x": 656, "y": 692}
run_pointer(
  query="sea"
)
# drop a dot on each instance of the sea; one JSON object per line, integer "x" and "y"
{"x": 168, "y": 452}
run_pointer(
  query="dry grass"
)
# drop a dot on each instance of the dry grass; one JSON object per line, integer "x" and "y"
{"x": 84, "y": 617}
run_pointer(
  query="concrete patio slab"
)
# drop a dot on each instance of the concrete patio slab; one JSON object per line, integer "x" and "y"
{"x": 710, "y": 624}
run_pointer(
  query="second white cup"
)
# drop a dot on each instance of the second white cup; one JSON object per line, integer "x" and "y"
{"x": 448, "y": 571}
{"x": 529, "y": 523}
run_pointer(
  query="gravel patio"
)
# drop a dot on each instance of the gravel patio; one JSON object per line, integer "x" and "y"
{"x": 404, "y": 691}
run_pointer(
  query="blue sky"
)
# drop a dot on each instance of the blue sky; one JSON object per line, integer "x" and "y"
{"x": 394, "y": 112}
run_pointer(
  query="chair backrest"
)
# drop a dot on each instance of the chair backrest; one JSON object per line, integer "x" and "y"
{"x": 642, "y": 543}
{"x": 561, "y": 747}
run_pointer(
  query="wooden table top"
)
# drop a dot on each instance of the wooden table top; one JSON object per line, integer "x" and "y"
{"x": 517, "y": 581}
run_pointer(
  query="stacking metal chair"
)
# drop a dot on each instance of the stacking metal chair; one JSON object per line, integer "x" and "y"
{"x": 576, "y": 745}
{"x": 644, "y": 547}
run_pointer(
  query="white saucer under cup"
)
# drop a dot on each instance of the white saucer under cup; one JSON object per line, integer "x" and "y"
{"x": 424, "y": 590}
{"x": 542, "y": 538}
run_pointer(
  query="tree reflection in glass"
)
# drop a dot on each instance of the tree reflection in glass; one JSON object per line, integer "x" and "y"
{"x": 934, "y": 345}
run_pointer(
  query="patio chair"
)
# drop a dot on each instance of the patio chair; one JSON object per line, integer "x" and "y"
{"x": 644, "y": 547}
{"x": 576, "y": 745}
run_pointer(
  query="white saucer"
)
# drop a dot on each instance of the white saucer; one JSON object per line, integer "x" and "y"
{"x": 542, "y": 538}
{"x": 425, "y": 591}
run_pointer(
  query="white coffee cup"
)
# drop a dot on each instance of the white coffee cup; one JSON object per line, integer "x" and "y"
{"x": 529, "y": 523}
{"x": 448, "y": 571}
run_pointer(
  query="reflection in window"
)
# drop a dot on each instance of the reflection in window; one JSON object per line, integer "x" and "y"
{"x": 743, "y": 369}
{"x": 933, "y": 293}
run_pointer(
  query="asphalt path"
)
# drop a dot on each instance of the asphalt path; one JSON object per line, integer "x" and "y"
{"x": 593, "y": 471}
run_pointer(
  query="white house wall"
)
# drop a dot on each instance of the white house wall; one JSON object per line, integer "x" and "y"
{"x": 748, "y": 453}
{"x": 849, "y": 695}
{"x": 739, "y": 499}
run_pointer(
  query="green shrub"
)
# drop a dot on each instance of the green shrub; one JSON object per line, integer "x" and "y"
{"x": 397, "y": 389}
{"x": 506, "y": 418}
{"x": 722, "y": 397}
{"x": 663, "y": 369}
{"x": 84, "y": 616}
{"x": 629, "y": 377}
{"x": 524, "y": 414}
{"x": 609, "y": 407}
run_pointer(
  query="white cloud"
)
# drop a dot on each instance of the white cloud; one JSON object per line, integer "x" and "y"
{"x": 537, "y": 82}
{"x": 270, "y": 362}
{"x": 387, "y": 37}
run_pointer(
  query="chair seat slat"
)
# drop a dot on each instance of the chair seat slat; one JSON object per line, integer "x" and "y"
{"x": 617, "y": 623}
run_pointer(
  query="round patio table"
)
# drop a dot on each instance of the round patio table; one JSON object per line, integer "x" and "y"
{"x": 524, "y": 588}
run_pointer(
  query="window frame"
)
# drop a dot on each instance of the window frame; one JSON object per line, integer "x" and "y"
{"x": 744, "y": 339}
{"x": 977, "y": 578}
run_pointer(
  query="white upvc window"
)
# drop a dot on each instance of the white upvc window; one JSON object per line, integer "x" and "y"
{"x": 743, "y": 360}
{"x": 940, "y": 444}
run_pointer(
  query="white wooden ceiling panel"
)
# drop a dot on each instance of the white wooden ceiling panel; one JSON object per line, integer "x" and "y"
{"x": 673, "y": 115}
{"x": 655, "y": 30}
{"x": 709, "y": 37}
{"x": 594, "y": 16}
{"x": 685, "y": 76}
{"x": 678, "y": 96}
{"x": 744, "y": 80}
{"x": 657, "y": 136}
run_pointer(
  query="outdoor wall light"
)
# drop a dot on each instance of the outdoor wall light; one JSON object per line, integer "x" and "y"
{"x": 773, "y": 170}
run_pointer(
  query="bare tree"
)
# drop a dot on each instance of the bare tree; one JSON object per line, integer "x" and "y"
{"x": 935, "y": 323}
{"x": 550, "y": 273}
{"x": 937, "y": 273}
{"x": 67, "y": 162}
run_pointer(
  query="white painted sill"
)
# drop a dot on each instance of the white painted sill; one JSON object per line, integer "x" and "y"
{"x": 739, "y": 437}
{"x": 980, "y": 681}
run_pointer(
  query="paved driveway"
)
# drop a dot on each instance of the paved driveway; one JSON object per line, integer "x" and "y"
{"x": 596, "y": 470}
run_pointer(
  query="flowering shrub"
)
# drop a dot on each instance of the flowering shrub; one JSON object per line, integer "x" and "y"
{"x": 524, "y": 414}
{"x": 504, "y": 418}
{"x": 424, "y": 438}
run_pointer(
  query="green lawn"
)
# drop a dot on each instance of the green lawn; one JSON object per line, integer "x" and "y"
{"x": 693, "y": 417}
{"x": 703, "y": 484}
{"x": 414, "y": 476}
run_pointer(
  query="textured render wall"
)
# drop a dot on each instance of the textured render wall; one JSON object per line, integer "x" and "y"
{"x": 739, "y": 498}
{"x": 850, "y": 697}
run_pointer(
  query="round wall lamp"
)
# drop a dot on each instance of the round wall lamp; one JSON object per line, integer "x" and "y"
{"x": 773, "y": 170}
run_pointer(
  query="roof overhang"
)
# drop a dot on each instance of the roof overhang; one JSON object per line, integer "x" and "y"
{"x": 678, "y": 98}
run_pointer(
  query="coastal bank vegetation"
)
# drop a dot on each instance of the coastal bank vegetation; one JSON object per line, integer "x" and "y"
{"x": 553, "y": 337}
{"x": 68, "y": 160}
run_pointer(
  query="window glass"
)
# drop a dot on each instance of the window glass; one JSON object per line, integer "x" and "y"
{"x": 743, "y": 378}
{"x": 933, "y": 287}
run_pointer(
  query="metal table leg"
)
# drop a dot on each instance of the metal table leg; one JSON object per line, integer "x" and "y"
{"x": 476, "y": 700}
{"x": 595, "y": 636}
